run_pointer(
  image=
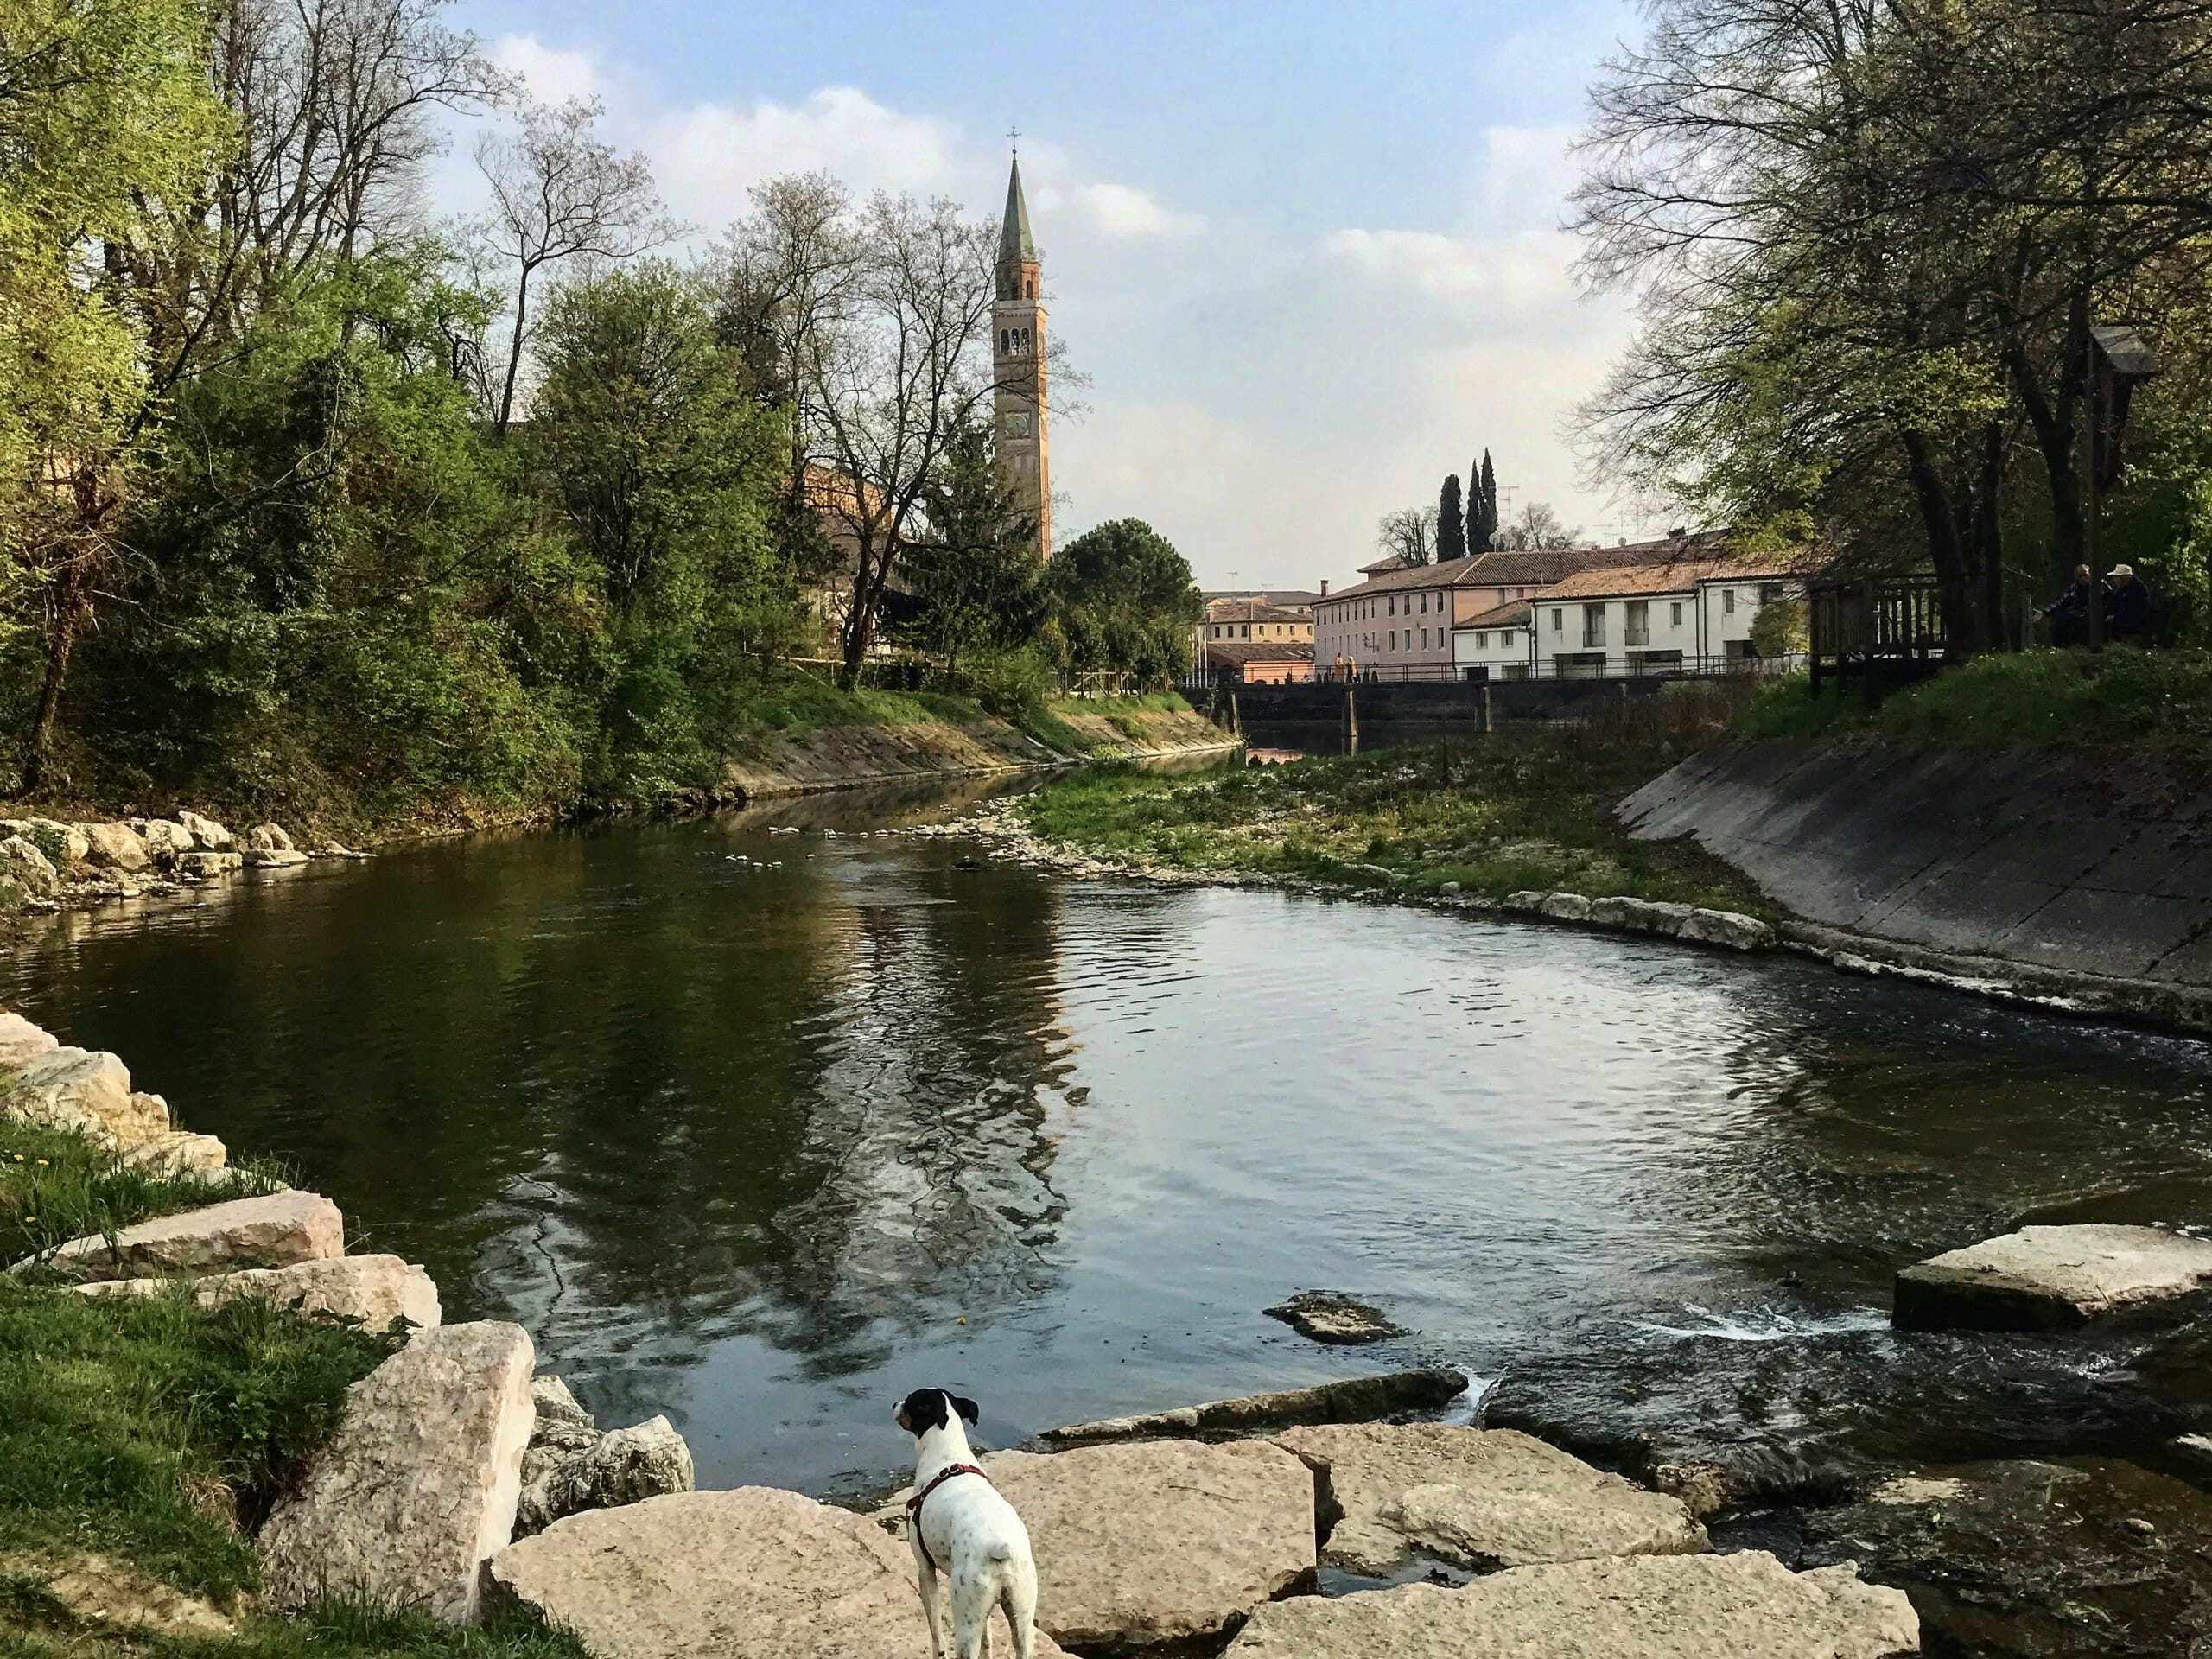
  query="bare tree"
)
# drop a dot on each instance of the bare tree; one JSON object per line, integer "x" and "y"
{"x": 1408, "y": 534}
{"x": 1536, "y": 528}
{"x": 905, "y": 368}
{"x": 337, "y": 105}
{"x": 558, "y": 193}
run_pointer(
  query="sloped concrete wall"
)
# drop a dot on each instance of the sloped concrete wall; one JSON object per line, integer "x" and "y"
{"x": 2080, "y": 865}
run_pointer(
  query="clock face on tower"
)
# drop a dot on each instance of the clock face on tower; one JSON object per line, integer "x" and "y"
{"x": 1017, "y": 425}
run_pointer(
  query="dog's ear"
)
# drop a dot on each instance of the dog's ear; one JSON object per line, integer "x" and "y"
{"x": 967, "y": 1408}
{"x": 921, "y": 1411}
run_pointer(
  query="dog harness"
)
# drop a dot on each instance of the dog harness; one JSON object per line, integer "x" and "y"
{"x": 914, "y": 1504}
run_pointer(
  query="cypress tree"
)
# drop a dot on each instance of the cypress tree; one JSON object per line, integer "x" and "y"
{"x": 1451, "y": 523}
{"x": 1482, "y": 533}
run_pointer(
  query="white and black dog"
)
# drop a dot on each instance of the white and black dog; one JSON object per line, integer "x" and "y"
{"x": 957, "y": 1524}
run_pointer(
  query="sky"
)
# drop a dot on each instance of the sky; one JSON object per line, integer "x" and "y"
{"x": 1310, "y": 255}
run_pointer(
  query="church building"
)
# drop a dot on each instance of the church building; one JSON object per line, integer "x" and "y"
{"x": 1018, "y": 361}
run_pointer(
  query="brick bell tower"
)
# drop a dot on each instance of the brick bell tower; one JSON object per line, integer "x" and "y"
{"x": 1019, "y": 405}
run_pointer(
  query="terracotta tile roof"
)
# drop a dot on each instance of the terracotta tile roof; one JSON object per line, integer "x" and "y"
{"x": 1513, "y": 613}
{"x": 1243, "y": 651}
{"x": 1245, "y": 610}
{"x": 1681, "y": 576}
{"x": 1539, "y": 568}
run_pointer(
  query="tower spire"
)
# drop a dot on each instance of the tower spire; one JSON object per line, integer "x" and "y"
{"x": 1016, "y": 246}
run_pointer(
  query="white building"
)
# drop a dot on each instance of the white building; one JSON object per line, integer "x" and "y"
{"x": 1689, "y": 616}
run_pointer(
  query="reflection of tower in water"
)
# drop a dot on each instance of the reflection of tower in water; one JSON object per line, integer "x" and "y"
{"x": 925, "y": 1122}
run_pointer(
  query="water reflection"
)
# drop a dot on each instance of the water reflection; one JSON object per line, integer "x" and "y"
{"x": 763, "y": 1144}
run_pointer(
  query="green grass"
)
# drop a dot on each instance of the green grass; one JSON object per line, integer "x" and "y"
{"x": 2154, "y": 703}
{"x": 1496, "y": 815}
{"x": 139, "y": 1426}
{"x": 56, "y": 1185}
{"x": 332, "y": 1630}
{"x": 794, "y": 707}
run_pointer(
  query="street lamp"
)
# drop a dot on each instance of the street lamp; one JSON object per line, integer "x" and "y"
{"x": 2119, "y": 359}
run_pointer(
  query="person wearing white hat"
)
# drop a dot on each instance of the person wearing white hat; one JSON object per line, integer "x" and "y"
{"x": 2127, "y": 605}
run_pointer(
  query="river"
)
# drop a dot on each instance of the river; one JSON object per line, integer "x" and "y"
{"x": 764, "y": 1145}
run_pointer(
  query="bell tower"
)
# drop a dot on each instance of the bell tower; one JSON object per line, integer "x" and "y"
{"x": 1018, "y": 406}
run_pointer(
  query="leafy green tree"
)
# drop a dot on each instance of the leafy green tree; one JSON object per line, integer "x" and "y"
{"x": 105, "y": 114}
{"x": 662, "y": 467}
{"x": 1451, "y": 522}
{"x": 1124, "y": 602}
{"x": 340, "y": 593}
{"x": 976, "y": 569}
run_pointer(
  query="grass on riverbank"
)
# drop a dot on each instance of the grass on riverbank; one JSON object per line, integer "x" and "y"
{"x": 2154, "y": 703}
{"x": 56, "y": 1185}
{"x": 155, "y": 1432}
{"x": 1497, "y": 814}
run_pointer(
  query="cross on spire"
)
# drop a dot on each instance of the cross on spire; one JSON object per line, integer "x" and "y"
{"x": 1014, "y": 139}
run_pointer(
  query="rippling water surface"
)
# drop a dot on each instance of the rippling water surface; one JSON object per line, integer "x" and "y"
{"x": 764, "y": 1148}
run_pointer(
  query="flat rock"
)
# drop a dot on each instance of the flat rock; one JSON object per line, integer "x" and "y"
{"x": 1743, "y": 1606}
{"x": 1478, "y": 1498}
{"x": 177, "y": 1151}
{"x": 274, "y": 1231}
{"x": 271, "y": 858}
{"x": 1354, "y": 1399}
{"x": 1324, "y": 1316}
{"x": 374, "y": 1289}
{"x": 100, "y": 1590}
{"x": 2042, "y": 1278}
{"x": 419, "y": 1487}
{"x": 72, "y": 1089}
{"x": 1158, "y": 1541}
{"x": 210, "y": 863}
{"x": 22, "y": 1042}
{"x": 1727, "y": 929}
{"x": 753, "y": 1573}
{"x": 267, "y": 838}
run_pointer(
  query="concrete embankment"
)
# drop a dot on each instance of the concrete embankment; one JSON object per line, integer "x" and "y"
{"x": 2083, "y": 883}
{"x": 844, "y": 757}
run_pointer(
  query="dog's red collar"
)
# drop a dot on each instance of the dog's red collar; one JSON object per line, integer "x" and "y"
{"x": 914, "y": 1504}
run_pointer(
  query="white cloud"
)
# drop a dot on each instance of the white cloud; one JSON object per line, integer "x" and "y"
{"x": 1122, "y": 210}
{"x": 553, "y": 75}
{"x": 707, "y": 156}
{"x": 1526, "y": 271}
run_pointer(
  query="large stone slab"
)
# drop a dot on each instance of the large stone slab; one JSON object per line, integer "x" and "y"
{"x": 374, "y": 1289}
{"x": 753, "y": 1573}
{"x": 2042, "y": 1278}
{"x": 627, "y": 1465}
{"x": 1158, "y": 1541}
{"x": 72, "y": 1089}
{"x": 22, "y": 1042}
{"x": 178, "y": 1151}
{"x": 1354, "y": 1399}
{"x": 274, "y": 1231}
{"x": 1478, "y": 1498}
{"x": 1744, "y": 1606}
{"x": 419, "y": 1488}
{"x": 115, "y": 847}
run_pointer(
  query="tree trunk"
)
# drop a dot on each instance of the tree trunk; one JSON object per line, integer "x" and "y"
{"x": 514, "y": 354}
{"x": 2053, "y": 422}
{"x": 1953, "y": 585}
{"x": 68, "y": 622}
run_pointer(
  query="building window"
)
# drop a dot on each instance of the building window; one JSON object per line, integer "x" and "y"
{"x": 1636, "y": 622}
{"x": 1424, "y": 639}
{"x": 1559, "y": 619}
{"x": 1727, "y": 601}
{"x": 1424, "y": 608}
{"x": 1248, "y": 630}
{"x": 1390, "y": 606}
{"x": 1593, "y": 624}
{"x": 1769, "y": 592}
{"x": 1394, "y": 639}
{"x": 1506, "y": 640}
{"x": 1482, "y": 642}
{"x": 1675, "y": 618}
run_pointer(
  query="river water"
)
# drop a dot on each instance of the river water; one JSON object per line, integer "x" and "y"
{"x": 764, "y": 1148}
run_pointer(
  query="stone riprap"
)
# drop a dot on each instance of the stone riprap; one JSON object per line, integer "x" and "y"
{"x": 627, "y": 1465}
{"x": 22, "y": 1042}
{"x": 1742, "y": 1606}
{"x": 1324, "y": 1316}
{"x": 1156, "y": 1542}
{"x": 374, "y": 1289}
{"x": 2042, "y": 1278}
{"x": 73, "y": 1088}
{"x": 22, "y": 862}
{"x": 1355, "y": 1399}
{"x": 115, "y": 847}
{"x": 753, "y": 1573}
{"x": 178, "y": 1151}
{"x": 419, "y": 1487}
{"x": 207, "y": 835}
{"x": 273, "y": 1230}
{"x": 1725, "y": 928}
{"x": 1476, "y": 1498}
